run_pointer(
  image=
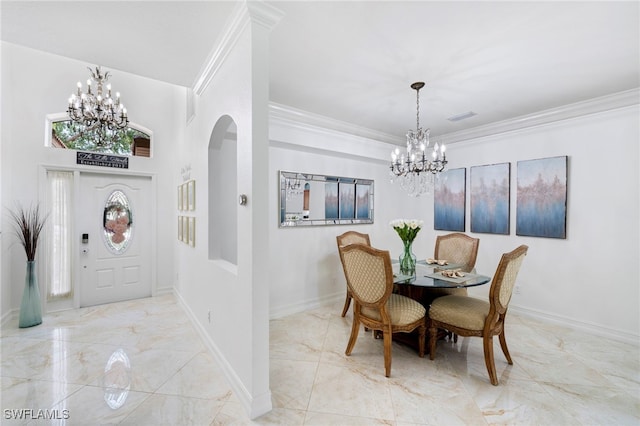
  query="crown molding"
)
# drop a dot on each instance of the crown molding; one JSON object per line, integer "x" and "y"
{"x": 246, "y": 12}
{"x": 305, "y": 120}
{"x": 230, "y": 35}
{"x": 591, "y": 106}
{"x": 264, "y": 14}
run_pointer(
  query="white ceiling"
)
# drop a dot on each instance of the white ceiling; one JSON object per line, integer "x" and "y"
{"x": 354, "y": 61}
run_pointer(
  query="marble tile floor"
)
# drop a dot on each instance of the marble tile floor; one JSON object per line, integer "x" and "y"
{"x": 142, "y": 363}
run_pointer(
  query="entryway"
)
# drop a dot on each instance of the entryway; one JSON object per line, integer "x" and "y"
{"x": 113, "y": 222}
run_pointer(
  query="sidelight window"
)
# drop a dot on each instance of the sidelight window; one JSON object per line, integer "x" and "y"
{"x": 59, "y": 263}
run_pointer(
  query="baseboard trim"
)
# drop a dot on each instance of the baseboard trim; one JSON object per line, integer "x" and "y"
{"x": 9, "y": 316}
{"x": 586, "y": 327}
{"x": 254, "y": 407}
{"x": 590, "y": 328}
{"x": 163, "y": 291}
{"x": 306, "y": 305}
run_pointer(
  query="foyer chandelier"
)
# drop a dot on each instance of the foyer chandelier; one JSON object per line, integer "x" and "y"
{"x": 96, "y": 112}
{"x": 416, "y": 169}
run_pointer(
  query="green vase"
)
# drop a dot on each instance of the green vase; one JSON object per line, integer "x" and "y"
{"x": 30, "y": 307}
{"x": 407, "y": 260}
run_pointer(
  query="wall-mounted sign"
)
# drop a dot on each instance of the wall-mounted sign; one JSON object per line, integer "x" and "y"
{"x": 102, "y": 160}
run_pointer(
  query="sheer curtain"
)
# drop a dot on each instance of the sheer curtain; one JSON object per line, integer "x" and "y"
{"x": 60, "y": 234}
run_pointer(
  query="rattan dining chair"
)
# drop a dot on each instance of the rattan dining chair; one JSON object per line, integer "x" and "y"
{"x": 370, "y": 280}
{"x": 468, "y": 316}
{"x": 350, "y": 237}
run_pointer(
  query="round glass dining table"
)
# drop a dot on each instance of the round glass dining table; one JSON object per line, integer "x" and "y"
{"x": 430, "y": 276}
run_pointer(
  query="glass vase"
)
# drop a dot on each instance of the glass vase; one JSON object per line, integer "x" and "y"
{"x": 30, "y": 307}
{"x": 407, "y": 260}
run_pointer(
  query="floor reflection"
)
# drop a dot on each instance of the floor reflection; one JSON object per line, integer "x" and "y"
{"x": 117, "y": 379}
{"x": 142, "y": 363}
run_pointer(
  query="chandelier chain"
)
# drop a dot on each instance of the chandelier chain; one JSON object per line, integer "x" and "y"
{"x": 417, "y": 109}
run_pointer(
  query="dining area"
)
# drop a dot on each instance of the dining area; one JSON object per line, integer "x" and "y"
{"x": 422, "y": 302}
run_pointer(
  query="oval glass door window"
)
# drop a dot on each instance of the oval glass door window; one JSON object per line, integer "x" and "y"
{"x": 117, "y": 222}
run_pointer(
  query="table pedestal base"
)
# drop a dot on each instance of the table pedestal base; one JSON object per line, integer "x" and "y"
{"x": 425, "y": 296}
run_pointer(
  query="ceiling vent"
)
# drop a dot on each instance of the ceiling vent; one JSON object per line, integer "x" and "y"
{"x": 462, "y": 116}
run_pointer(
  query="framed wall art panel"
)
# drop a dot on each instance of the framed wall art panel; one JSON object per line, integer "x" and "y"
{"x": 192, "y": 231}
{"x": 185, "y": 229}
{"x": 363, "y": 206}
{"x": 541, "y": 207}
{"x": 489, "y": 189}
{"x": 191, "y": 195}
{"x": 347, "y": 201}
{"x": 449, "y": 200}
{"x": 331, "y": 200}
{"x": 185, "y": 195}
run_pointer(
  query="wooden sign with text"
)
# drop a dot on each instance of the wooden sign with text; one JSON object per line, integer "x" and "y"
{"x": 102, "y": 160}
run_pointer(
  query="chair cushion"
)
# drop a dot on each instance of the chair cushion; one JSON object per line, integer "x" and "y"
{"x": 401, "y": 309}
{"x": 460, "y": 311}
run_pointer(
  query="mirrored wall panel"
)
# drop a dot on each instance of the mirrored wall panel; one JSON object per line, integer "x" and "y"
{"x": 311, "y": 199}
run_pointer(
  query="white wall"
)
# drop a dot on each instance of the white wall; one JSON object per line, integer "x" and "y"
{"x": 235, "y": 296}
{"x": 35, "y": 84}
{"x": 589, "y": 279}
{"x": 304, "y": 266}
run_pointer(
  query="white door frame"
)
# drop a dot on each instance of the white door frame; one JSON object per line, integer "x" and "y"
{"x": 56, "y": 305}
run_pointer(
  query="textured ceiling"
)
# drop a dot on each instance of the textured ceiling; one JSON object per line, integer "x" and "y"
{"x": 354, "y": 61}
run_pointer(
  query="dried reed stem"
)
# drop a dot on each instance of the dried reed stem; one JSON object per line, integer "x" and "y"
{"x": 28, "y": 223}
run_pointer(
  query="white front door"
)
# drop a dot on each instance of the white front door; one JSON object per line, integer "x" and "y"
{"x": 114, "y": 226}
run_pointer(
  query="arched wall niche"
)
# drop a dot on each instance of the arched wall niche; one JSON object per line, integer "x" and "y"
{"x": 222, "y": 190}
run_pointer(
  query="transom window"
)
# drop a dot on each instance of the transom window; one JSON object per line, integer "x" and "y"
{"x": 70, "y": 135}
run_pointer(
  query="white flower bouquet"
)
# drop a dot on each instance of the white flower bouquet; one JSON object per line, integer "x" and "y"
{"x": 407, "y": 229}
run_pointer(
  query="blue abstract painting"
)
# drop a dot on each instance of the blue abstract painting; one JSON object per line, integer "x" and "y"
{"x": 449, "y": 200}
{"x": 331, "y": 200}
{"x": 363, "y": 210}
{"x": 541, "y": 208}
{"x": 490, "y": 186}
{"x": 347, "y": 200}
